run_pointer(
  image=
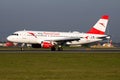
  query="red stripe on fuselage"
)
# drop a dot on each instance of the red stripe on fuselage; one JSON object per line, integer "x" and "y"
{"x": 95, "y": 31}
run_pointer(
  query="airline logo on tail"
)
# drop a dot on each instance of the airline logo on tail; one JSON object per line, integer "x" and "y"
{"x": 100, "y": 26}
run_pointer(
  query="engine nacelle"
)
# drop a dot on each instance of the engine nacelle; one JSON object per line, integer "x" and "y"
{"x": 47, "y": 44}
{"x": 44, "y": 44}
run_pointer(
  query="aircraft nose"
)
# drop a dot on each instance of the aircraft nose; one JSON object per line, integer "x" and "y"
{"x": 9, "y": 38}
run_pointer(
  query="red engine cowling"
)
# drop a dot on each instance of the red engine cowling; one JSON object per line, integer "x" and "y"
{"x": 47, "y": 44}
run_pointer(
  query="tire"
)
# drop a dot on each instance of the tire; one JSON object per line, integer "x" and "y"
{"x": 53, "y": 48}
{"x": 60, "y": 48}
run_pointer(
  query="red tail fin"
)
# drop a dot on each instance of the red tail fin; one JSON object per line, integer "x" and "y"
{"x": 100, "y": 26}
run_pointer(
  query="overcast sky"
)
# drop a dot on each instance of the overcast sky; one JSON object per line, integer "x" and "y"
{"x": 58, "y": 15}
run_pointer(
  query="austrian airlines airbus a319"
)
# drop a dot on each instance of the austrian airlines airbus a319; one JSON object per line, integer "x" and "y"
{"x": 55, "y": 40}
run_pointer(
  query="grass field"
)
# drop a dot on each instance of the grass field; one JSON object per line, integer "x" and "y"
{"x": 59, "y": 66}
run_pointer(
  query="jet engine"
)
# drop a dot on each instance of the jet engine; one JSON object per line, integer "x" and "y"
{"x": 47, "y": 44}
{"x": 44, "y": 44}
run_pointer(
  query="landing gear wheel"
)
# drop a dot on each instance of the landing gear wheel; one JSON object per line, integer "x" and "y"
{"x": 60, "y": 48}
{"x": 22, "y": 48}
{"x": 53, "y": 48}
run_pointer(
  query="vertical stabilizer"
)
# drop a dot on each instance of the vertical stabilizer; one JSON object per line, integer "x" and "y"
{"x": 100, "y": 26}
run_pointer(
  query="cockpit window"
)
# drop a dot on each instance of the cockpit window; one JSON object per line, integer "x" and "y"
{"x": 15, "y": 34}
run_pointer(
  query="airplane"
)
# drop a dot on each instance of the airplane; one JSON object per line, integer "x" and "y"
{"x": 56, "y": 40}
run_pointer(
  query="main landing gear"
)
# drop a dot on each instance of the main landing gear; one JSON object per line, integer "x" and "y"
{"x": 59, "y": 48}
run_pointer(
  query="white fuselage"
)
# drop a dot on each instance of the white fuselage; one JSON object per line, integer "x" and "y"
{"x": 37, "y": 37}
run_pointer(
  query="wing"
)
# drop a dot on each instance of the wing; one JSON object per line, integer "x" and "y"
{"x": 62, "y": 41}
